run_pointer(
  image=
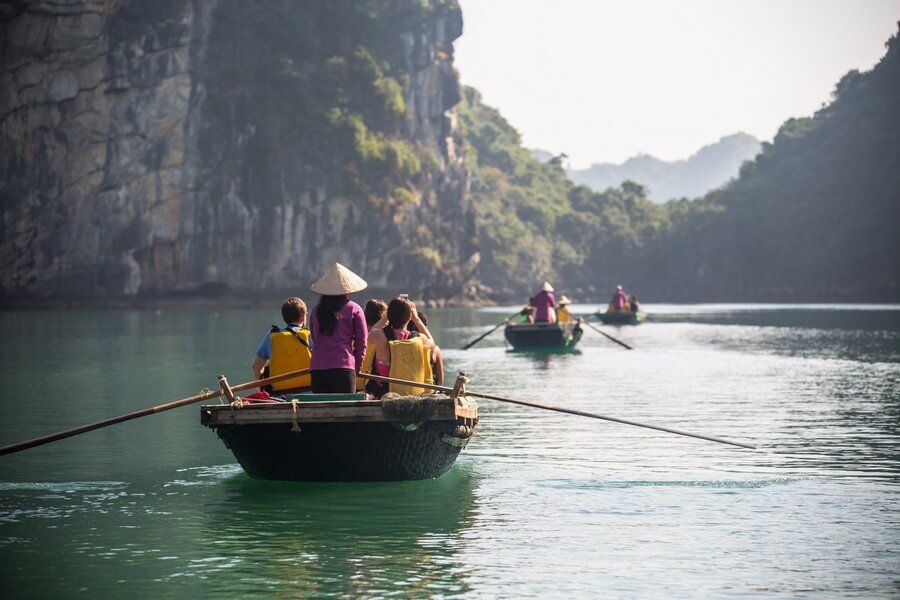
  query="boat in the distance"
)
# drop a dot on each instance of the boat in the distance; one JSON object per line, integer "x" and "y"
{"x": 345, "y": 437}
{"x": 621, "y": 317}
{"x": 561, "y": 336}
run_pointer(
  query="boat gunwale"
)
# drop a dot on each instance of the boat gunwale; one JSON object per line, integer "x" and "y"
{"x": 444, "y": 409}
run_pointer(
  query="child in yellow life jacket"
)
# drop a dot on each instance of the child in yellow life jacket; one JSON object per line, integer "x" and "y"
{"x": 400, "y": 353}
{"x": 285, "y": 350}
{"x": 562, "y": 313}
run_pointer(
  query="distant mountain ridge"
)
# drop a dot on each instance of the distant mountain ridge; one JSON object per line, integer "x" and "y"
{"x": 710, "y": 167}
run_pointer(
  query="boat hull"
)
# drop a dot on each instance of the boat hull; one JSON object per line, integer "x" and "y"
{"x": 543, "y": 335}
{"x": 620, "y": 317}
{"x": 345, "y": 441}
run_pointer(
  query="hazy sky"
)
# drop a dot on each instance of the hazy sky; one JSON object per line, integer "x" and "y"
{"x": 603, "y": 80}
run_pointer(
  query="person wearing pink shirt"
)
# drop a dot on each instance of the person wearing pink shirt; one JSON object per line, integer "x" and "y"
{"x": 338, "y": 332}
{"x": 544, "y": 304}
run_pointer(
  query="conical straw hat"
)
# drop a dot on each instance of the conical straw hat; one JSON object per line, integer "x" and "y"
{"x": 546, "y": 287}
{"x": 563, "y": 300}
{"x": 337, "y": 281}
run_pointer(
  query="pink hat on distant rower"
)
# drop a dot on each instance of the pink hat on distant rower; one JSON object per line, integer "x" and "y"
{"x": 337, "y": 281}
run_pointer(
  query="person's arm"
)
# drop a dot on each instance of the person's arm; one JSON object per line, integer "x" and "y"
{"x": 420, "y": 326}
{"x": 438, "y": 366}
{"x": 259, "y": 364}
{"x": 263, "y": 353}
{"x": 380, "y": 323}
{"x": 360, "y": 337}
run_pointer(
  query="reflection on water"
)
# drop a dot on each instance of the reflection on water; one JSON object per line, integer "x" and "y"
{"x": 538, "y": 503}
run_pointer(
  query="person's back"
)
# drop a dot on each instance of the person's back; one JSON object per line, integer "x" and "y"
{"x": 400, "y": 353}
{"x": 286, "y": 349}
{"x": 544, "y": 303}
{"x": 619, "y": 300}
{"x": 562, "y": 313}
{"x": 339, "y": 333}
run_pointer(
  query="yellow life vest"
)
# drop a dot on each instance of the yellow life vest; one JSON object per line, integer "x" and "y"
{"x": 290, "y": 351}
{"x": 563, "y": 316}
{"x": 366, "y": 366}
{"x": 410, "y": 360}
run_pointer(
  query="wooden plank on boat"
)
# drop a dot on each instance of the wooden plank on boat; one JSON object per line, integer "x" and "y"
{"x": 438, "y": 409}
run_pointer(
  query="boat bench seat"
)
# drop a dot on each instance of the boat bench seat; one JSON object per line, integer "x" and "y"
{"x": 326, "y": 397}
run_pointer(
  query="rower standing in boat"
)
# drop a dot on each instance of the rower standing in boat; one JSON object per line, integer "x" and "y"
{"x": 544, "y": 303}
{"x": 563, "y": 315}
{"x": 619, "y": 302}
{"x": 339, "y": 332}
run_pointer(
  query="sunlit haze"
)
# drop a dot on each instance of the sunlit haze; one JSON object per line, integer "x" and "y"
{"x": 603, "y": 80}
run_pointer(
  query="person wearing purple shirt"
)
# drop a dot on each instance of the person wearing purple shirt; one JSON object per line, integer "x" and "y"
{"x": 338, "y": 332}
{"x": 543, "y": 304}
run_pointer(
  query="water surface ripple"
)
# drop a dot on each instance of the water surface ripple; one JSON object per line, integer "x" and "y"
{"x": 539, "y": 503}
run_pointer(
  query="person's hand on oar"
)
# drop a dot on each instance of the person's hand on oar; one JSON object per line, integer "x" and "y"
{"x": 492, "y": 330}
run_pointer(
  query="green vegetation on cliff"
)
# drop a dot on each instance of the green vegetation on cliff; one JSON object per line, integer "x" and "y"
{"x": 815, "y": 216}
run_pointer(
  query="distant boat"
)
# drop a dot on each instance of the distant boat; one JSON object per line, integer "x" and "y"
{"x": 344, "y": 437}
{"x": 621, "y": 317}
{"x": 562, "y": 336}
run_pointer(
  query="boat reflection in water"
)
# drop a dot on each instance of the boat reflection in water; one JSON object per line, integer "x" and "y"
{"x": 349, "y": 539}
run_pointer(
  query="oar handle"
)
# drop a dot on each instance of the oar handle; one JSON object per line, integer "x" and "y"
{"x": 61, "y": 435}
{"x": 489, "y": 332}
{"x": 603, "y": 333}
{"x": 571, "y": 411}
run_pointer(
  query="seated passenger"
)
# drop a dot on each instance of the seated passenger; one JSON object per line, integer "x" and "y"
{"x": 634, "y": 304}
{"x": 285, "y": 350}
{"x": 543, "y": 304}
{"x": 374, "y": 311}
{"x": 563, "y": 315}
{"x": 400, "y": 353}
{"x": 526, "y": 315}
{"x": 437, "y": 358}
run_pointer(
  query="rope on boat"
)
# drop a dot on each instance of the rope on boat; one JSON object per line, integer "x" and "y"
{"x": 294, "y": 426}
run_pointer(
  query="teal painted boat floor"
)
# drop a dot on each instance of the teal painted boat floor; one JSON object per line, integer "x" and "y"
{"x": 538, "y": 504}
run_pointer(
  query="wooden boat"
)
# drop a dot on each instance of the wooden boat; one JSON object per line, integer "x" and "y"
{"x": 344, "y": 437}
{"x": 621, "y": 317}
{"x": 543, "y": 335}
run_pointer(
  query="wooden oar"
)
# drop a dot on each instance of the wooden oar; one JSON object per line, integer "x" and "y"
{"x": 18, "y": 447}
{"x": 603, "y": 333}
{"x": 571, "y": 411}
{"x": 484, "y": 335}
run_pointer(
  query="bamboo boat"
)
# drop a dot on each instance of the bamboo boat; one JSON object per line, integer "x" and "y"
{"x": 621, "y": 317}
{"x": 561, "y": 336}
{"x": 344, "y": 437}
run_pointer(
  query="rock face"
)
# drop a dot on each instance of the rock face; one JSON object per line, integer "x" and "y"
{"x": 117, "y": 179}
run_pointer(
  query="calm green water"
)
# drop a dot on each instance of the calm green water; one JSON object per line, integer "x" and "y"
{"x": 539, "y": 503}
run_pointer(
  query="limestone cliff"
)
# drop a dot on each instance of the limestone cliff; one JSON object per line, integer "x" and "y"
{"x": 167, "y": 146}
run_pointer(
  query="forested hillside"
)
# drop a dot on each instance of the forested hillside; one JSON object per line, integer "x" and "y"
{"x": 814, "y": 217}
{"x": 174, "y": 148}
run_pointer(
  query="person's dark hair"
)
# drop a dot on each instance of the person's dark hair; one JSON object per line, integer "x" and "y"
{"x": 293, "y": 310}
{"x": 374, "y": 311}
{"x": 326, "y": 312}
{"x": 398, "y": 313}
{"x": 422, "y": 317}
